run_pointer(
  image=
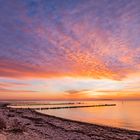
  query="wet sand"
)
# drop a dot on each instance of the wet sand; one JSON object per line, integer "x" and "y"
{"x": 26, "y": 124}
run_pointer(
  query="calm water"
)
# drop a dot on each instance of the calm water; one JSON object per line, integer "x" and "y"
{"x": 126, "y": 114}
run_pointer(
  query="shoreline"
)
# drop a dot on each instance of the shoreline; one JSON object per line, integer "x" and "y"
{"x": 25, "y": 124}
{"x": 86, "y": 123}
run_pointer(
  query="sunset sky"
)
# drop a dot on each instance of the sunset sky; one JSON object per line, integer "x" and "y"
{"x": 69, "y": 49}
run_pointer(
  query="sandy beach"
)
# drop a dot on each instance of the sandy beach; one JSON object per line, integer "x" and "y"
{"x": 26, "y": 124}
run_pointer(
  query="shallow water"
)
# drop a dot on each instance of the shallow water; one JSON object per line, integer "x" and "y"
{"x": 126, "y": 114}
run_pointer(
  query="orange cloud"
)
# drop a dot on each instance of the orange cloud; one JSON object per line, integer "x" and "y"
{"x": 76, "y": 94}
{"x": 89, "y": 51}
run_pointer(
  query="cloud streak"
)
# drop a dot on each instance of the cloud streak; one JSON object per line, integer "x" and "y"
{"x": 48, "y": 41}
{"x": 45, "y": 40}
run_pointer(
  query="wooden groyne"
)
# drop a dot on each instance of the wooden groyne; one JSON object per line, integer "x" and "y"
{"x": 64, "y": 107}
{"x": 32, "y": 104}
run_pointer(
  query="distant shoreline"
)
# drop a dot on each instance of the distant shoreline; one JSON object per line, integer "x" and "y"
{"x": 33, "y": 125}
{"x": 70, "y": 100}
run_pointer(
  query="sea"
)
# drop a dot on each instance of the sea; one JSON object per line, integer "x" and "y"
{"x": 125, "y": 114}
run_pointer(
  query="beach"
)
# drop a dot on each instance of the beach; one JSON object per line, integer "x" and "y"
{"x": 69, "y": 69}
{"x": 27, "y": 124}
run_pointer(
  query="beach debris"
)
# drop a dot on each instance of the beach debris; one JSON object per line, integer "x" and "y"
{"x": 2, "y": 124}
{"x": 16, "y": 127}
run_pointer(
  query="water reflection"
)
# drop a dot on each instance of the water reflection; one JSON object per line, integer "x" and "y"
{"x": 125, "y": 114}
